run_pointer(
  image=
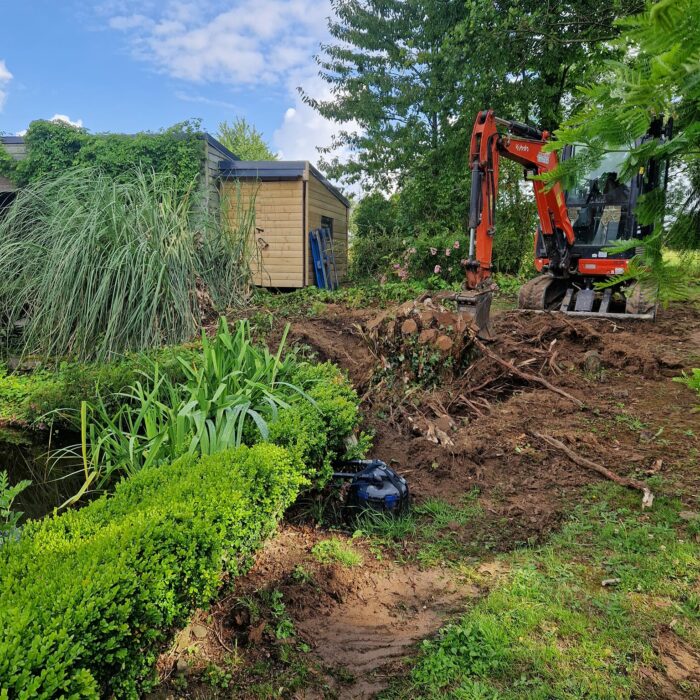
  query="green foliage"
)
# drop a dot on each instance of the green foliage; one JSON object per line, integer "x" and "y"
{"x": 376, "y": 240}
{"x": 388, "y": 240}
{"x": 53, "y": 394}
{"x": 356, "y": 297}
{"x": 658, "y": 77}
{"x": 98, "y": 266}
{"x": 548, "y": 629}
{"x": 335, "y": 550}
{"x": 233, "y": 392}
{"x": 54, "y": 147}
{"x": 88, "y": 598}
{"x": 244, "y": 140}
{"x": 9, "y": 518}
{"x": 692, "y": 381}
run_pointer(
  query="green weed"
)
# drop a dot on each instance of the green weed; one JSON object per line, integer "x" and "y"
{"x": 335, "y": 550}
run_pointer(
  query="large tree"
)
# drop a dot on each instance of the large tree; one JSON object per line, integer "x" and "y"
{"x": 408, "y": 76}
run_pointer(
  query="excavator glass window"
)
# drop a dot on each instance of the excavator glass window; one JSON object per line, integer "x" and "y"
{"x": 599, "y": 205}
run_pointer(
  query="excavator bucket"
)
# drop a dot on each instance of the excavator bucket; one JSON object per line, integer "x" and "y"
{"x": 477, "y": 305}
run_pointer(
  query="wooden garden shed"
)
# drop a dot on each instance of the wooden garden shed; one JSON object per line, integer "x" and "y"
{"x": 291, "y": 198}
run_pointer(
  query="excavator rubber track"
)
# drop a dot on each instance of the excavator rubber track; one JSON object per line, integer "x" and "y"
{"x": 550, "y": 294}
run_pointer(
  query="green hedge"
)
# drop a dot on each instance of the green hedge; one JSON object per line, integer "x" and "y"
{"x": 54, "y": 147}
{"x": 317, "y": 437}
{"x": 88, "y": 597}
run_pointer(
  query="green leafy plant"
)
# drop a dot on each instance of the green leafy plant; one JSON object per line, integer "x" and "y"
{"x": 54, "y": 147}
{"x": 95, "y": 266}
{"x": 658, "y": 77}
{"x": 9, "y": 518}
{"x": 88, "y": 598}
{"x": 230, "y": 394}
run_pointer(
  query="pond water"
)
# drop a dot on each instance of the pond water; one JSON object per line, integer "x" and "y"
{"x": 38, "y": 457}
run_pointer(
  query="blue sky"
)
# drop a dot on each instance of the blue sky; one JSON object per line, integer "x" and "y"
{"x": 132, "y": 65}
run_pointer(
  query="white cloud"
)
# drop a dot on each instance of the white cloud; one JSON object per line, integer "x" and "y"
{"x": 5, "y": 78}
{"x": 246, "y": 44}
{"x": 66, "y": 119}
{"x": 126, "y": 22}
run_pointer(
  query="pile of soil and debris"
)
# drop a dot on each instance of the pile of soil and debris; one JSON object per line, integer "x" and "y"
{"x": 473, "y": 425}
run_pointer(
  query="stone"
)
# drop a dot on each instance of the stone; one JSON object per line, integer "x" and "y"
{"x": 182, "y": 665}
{"x": 444, "y": 343}
{"x": 409, "y": 327}
{"x": 592, "y": 362}
{"x": 429, "y": 335}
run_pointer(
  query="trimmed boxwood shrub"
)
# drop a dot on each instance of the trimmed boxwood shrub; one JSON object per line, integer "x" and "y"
{"x": 88, "y": 597}
{"x": 316, "y": 436}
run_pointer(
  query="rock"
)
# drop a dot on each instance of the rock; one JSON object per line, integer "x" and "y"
{"x": 199, "y": 631}
{"x": 610, "y": 582}
{"x": 429, "y": 335}
{"x": 689, "y": 515}
{"x": 182, "y": 666}
{"x": 444, "y": 343}
{"x": 409, "y": 326}
{"x": 592, "y": 362}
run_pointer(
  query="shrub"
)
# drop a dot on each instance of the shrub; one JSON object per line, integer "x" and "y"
{"x": 88, "y": 597}
{"x": 54, "y": 147}
{"x": 317, "y": 436}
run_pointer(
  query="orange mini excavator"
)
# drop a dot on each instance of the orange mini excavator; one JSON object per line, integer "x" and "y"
{"x": 576, "y": 229}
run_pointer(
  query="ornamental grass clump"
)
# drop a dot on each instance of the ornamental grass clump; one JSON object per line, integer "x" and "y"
{"x": 92, "y": 266}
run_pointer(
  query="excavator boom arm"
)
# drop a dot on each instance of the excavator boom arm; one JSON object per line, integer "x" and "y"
{"x": 523, "y": 144}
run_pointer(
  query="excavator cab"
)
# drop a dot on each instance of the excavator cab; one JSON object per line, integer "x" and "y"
{"x": 601, "y": 208}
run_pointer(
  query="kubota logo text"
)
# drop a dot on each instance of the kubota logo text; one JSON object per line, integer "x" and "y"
{"x": 522, "y": 148}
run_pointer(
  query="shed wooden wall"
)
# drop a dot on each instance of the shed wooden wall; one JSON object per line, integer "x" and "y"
{"x": 279, "y": 211}
{"x": 322, "y": 202}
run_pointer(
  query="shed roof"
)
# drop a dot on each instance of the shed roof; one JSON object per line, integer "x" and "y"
{"x": 276, "y": 170}
{"x": 11, "y": 140}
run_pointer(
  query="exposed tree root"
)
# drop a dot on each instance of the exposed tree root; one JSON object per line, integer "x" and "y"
{"x": 648, "y": 497}
{"x": 525, "y": 376}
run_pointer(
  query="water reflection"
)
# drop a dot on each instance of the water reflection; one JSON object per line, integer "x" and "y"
{"x": 39, "y": 458}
